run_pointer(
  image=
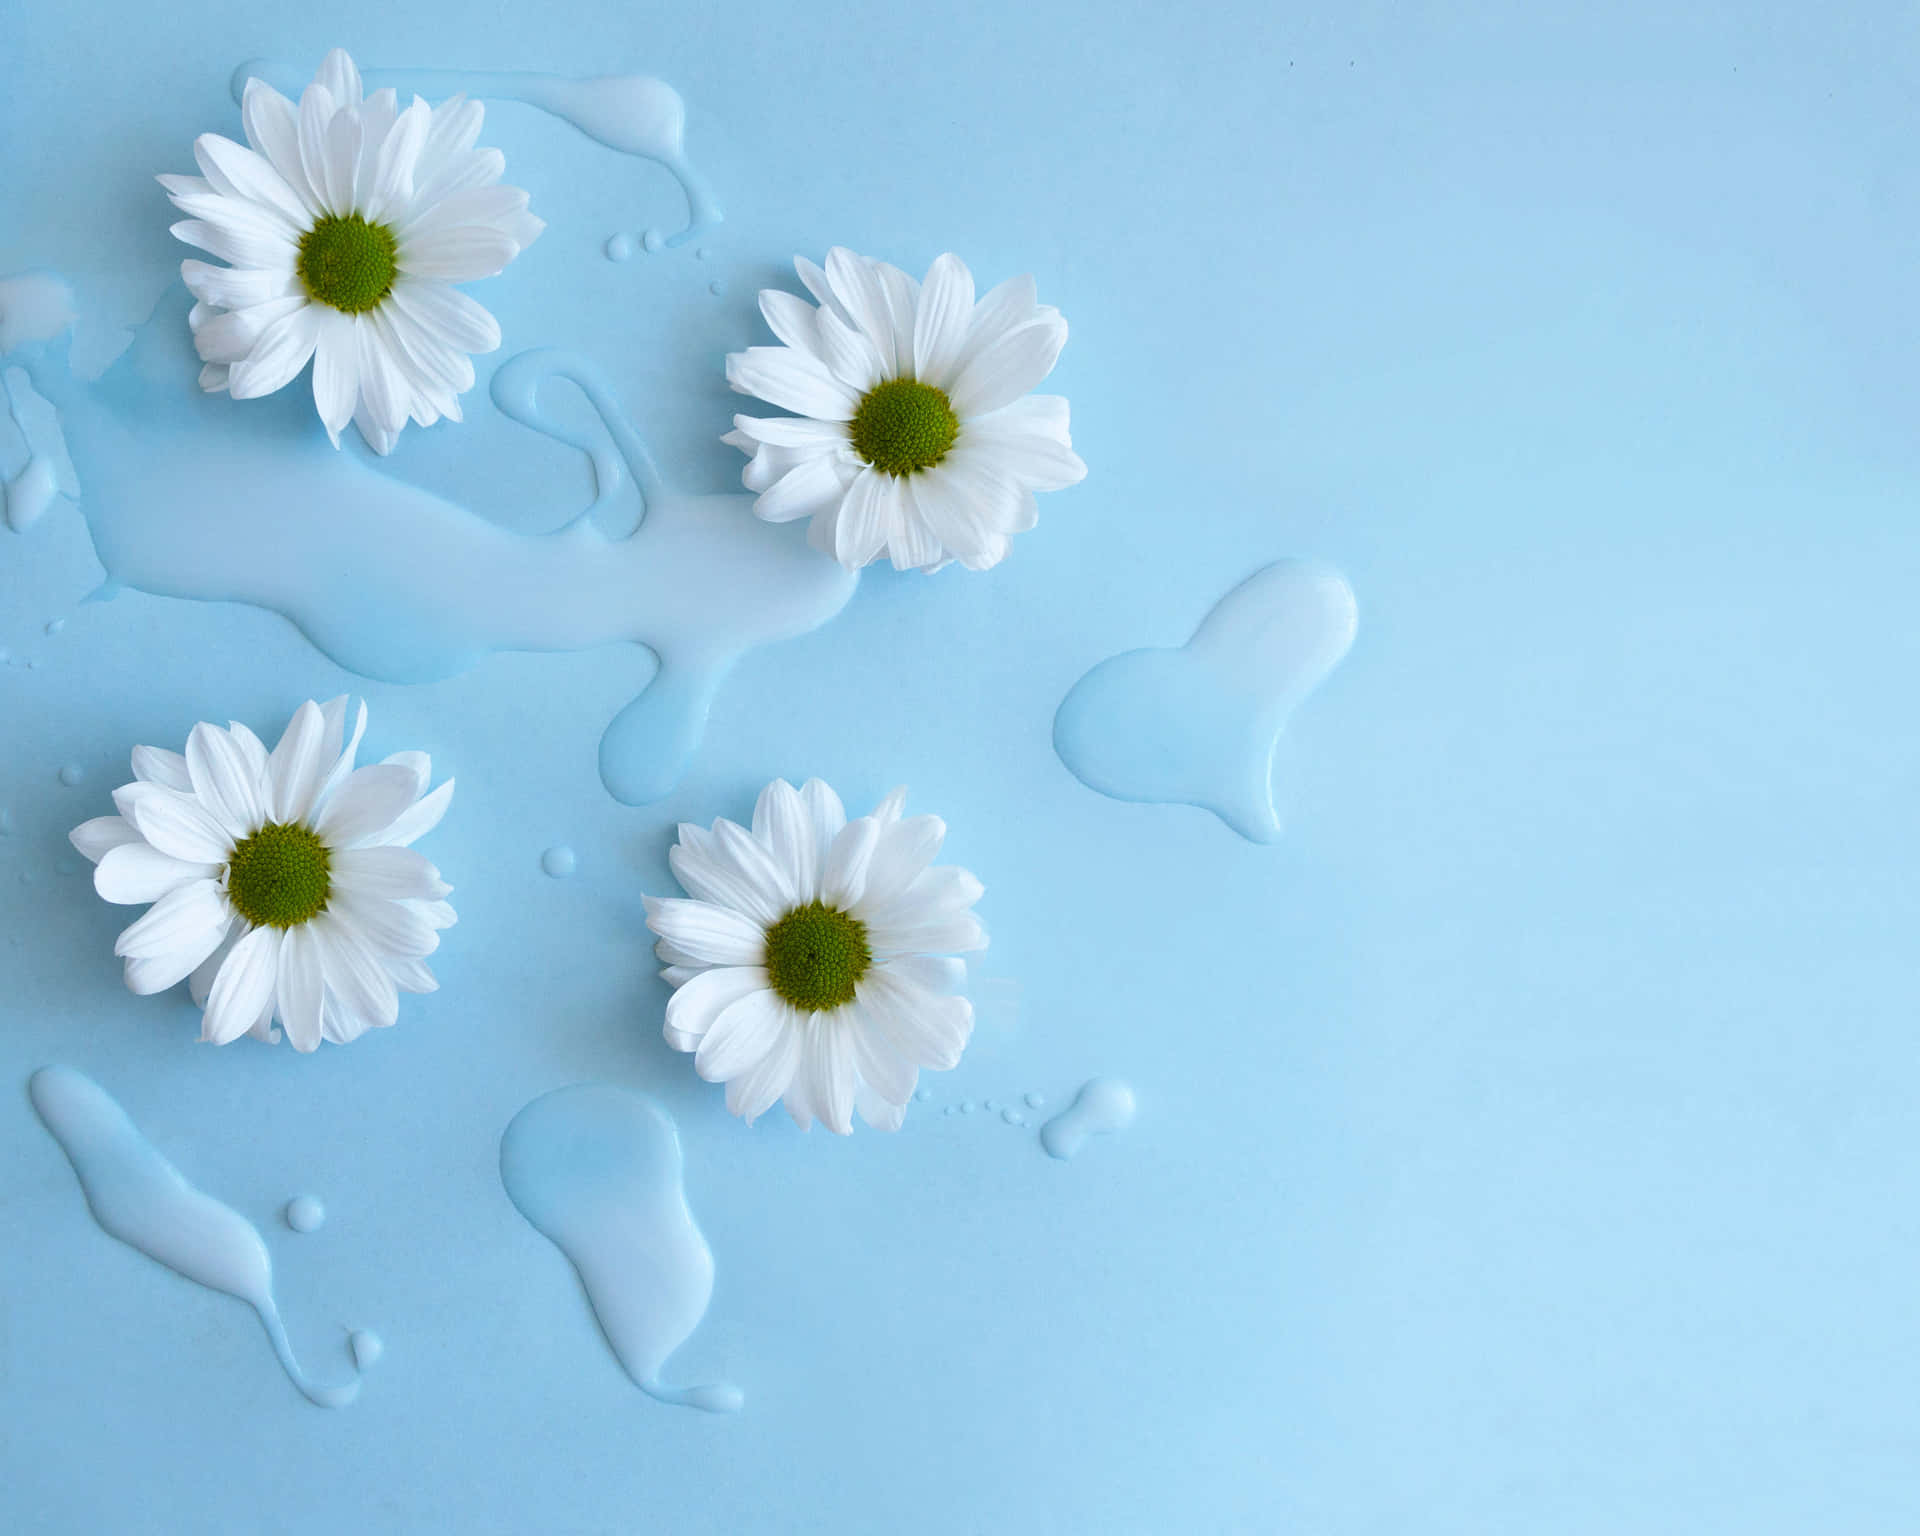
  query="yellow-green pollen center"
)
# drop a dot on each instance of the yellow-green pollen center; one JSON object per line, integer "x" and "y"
{"x": 348, "y": 263}
{"x": 816, "y": 956}
{"x": 903, "y": 426}
{"x": 279, "y": 877}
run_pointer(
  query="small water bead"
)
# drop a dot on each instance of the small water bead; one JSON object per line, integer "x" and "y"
{"x": 1013, "y": 1116}
{"x": 72, "y": 774}
{"x": 619, "y": 248}
{"x": 716, "y": 287}
{"x": 305, "y": 1214}
{"x": 653, "y": 240}
{"x": 1036, "y": 1100}
{"x": 922, "y": 1094}
{"x": 1102, "y": 1106}
{"x": 700, "y": 254}
{"x": 559, "y": 861}
{"x": 367, "y": 1347}
{"x": 990, "y": 1105}
{"x": 949, "y": 1110}
{"x": 54, "y": 626}
{"x": 966, "y": 1108}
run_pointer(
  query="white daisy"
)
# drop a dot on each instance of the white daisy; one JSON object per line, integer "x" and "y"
{"x": 812, "y": 962}
{"x": 914, "y": 433}
{"x": 282, "y": 884}
{"x": 346, "y": 223}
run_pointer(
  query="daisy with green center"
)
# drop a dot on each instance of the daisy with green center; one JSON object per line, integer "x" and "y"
{"x": 812, "y": 961}
{"x": 345, "y": 222}
{"x": 914, "y": 434}
{"x": 283, "y": 884}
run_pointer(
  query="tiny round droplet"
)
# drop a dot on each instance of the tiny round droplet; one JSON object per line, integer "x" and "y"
{"x": 948, "y": 1110}
{"x": 559, "y": 861}
{"x": 366, "y": 1347}
{"x": 305, "y": 1214}
{"x": 33, "y": 665}
{"x": 54, "y": 626}
{"x": 716, "y": 287}
{"x": 700, "y": 254}
{"x": 653, "y": 240}
{"x": 992, "y": 1105}
{"x": 72, "y": 774}
{"x": 619, "y": 248}
{"x": 966, "y": 1107}
{"x": 1013, "y": 1116}
{"x": 1035, "y": 1100}
{"x": 922, "y": 1094}
{"x": 5, "y": 655}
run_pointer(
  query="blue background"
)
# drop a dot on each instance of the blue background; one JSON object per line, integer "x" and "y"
{"x": 1527, "y": 1143}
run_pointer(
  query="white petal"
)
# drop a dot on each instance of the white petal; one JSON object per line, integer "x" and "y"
{"x": 389, "y": 928}
{"x": 791, "y": 380}
{"x": 300, "y": 989}
{"x": 843, "y": 878}
{"x": 418, "y": 819}
{"x": 709, "y": 872}
{"x": 178, "y": 931}
{"x": 698, "y": 1002}
{"x": 364, "y": 990}
{"x": 792, "y": 319}
{"x": 828, "y": 816}
{"x": 180, "y": 825}
{"x": 272, "y": 127}
{"x": 862, "y": 292}
{"x": 814, "y": 279}
{"x": 391, "y": 874}
{"x": 1006, "y": 442}
{"x": 904, "y": 850}
{"x": 1005, "y": 308}
{"x": 755, "y": 1091}
{"x": 384, "y": 394}
{"x": 829, "y": 1066}
{"x": 876, "y": 1111}
{"x": 1008, "y": 368}
{"x": 224, "y": 780}
{"x": 156, "y": 765}
{"x": 849, "y": 356}
{"x": 338, "y": 75}
{"x": 97, "y": 838}
{"x": 280, "y": 353}
{"x": 448, "y": 315}
{"x": 943, "y": 975}
{"x": 237, "y": 287}
{"x": 231, "y": 338}
{"x": 708, "y": 934}
{"x": 200, "y": 983}
{"x": 243, "y": 987}
{"x": 340, "y": 758}
{"x": 740, "y": 1035}
{"x": 238, "y": 241}
{"x": 390, "y": 177}
{"x": 920, "y": 1026}
{"x": 250, "y": 175}
{"x": 459, "y": 253}
{"x": 336, "y": 371}
{"x": 969, "y": 507}
{"x": 365, "y": 805}
{"x": 137, "y": 873}
{"x": 781, "y": 821}
{"x": 890, "y": 1074}
{"x": 941, "y": 320}
{"x": 867, "y": 515}
{"x": 410, "y": 975}
{"x": 911, "y": 543}
{"x": 298, "y": 762}
{"x": 793, "y": 431}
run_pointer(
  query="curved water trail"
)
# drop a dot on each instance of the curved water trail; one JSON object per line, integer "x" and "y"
{"x": 1199, "y": 724}
{"x": 200, "y": 496}
{"x": 139, "y": 1197}
{"x": 630, "y": 114}
{"x": 597, "y": 1171}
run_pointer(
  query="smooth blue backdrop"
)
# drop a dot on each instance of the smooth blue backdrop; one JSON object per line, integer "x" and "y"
{"x": 1527, "y": 1143}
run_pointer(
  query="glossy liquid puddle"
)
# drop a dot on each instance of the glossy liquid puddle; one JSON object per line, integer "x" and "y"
{"x": 1103, "y": 1106}
{"x": 630, "y": 114}
{"x": 397, "y": 583}
{"x": 597, "y": 1171}
{"x": 142, "y": 1199}
{"x": 1198, "y": 725}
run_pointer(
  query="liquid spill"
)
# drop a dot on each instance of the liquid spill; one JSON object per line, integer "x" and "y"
{"x": 305, "y": 1214}
{"x": 35, "y": 307}
{"x": 1198, "y": 725}
{"x": 597, "y": 1171}
{"x": 1101, "y": 1107}
{"x": 619, "y": 248}
{"x": 559, "y": 861}
{"x": 72, "y": 774}
{"x": 367, "y": 1347}
{"x": 142, "y": 1199}
{"x": 397, "y": 583}
{"x": 630, "y": 114}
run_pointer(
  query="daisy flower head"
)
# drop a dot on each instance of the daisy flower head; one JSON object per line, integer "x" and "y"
{"x": 914, "y": 433}
{"x": 282, "y": 883}
{"x": 345, "y": 221}
{"x": 812, "y": 960}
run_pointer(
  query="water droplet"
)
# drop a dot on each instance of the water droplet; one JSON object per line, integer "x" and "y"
{"x": 1035, "y": 1100}
{"x": 5, "y": 655}
{"x": 54, "y": 626}
{"x": 6, "y": 822}
{"x": 559, "y": 861}
{"x": 1102, "y": 1106}
{"x": 653, "y": 240}
{"x": 366, "y": 1346}
{"x": 922, "y": 1094}
{"x": 33, "y": 664}
{"x": 966, "y": 1107}
{"x": 949, "y": 1110}
{"x": 700, "y": 254}
{"x": 305, "y": 1214}
{"x": 619, "y": 248}
{"x": 1013, "y": 1116}
{"x": 716, "y": 287}
{"x": 990, "y": 1105}
{"x": 72, "y": 774}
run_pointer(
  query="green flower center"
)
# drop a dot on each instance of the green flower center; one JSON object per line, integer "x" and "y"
{"x": 903, "y": 426}
{"x": 348, "y": 263}
{"x": 278, "y": 878}
{"x": 816, "y": 955}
